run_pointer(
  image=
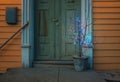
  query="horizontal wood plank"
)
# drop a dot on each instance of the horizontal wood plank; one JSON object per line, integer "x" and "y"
{"x": 3, "y": 7}
{"x": 106, "y": 27}
{"x": 7, "y": 35}
{"x": 10, "y": 64}
{"x": 3, "y": 23}
{"x": 107, "y": 33}
{"x": 107, "y": 46}
{"x": 8, "y": 29}
{"x": 106, "y": 15}
{"x": 11, "y": 47}
{"x": 106, "y": 40}
{"x": 10, "y": 59}
{"x": 108, "y": 60}
{"x": 10, "y": 2}
{"x": 11, "y": 42}
{"x": 2, "y": 18}
{"x": 107, "y": 21}
{"x": 107, "y": 67}
{"x": 108, "y": 10}
{"x": 107, "y": 0}
{"x": 10, "y": 52}
{"x": 3, "y": 12}
{"x": 106, "y": 53}
{"x": 106, "y": 4}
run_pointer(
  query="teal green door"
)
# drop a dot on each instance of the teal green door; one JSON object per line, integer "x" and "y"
{"x": 54, "y": 23}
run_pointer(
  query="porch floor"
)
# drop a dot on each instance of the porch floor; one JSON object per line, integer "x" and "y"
{"x": 50, "y": 75}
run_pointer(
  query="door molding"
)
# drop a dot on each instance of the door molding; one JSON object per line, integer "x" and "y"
{"x": 27, "y": 43}
{"x": 86, "y": 19}
{"x": 28, "y": 33}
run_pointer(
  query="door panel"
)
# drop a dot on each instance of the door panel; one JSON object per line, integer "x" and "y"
{"x": 44, "y": 30}
{"x": 54, "y": 20}
{"x": 70, "y": 11}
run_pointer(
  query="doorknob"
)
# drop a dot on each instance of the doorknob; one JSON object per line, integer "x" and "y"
{"x": 55, "y": 20}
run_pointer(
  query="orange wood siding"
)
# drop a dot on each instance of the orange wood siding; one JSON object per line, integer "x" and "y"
{"x": 10, "y": 55}
{"x": 106, "y": 19}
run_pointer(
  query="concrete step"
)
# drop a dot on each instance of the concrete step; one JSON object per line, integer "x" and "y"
{"x": 3, "y": 70}
{"x": 53, "y": 64}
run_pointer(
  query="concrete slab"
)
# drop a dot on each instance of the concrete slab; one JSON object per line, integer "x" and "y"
{"x": 70, "y": 75}
{"x": 49, "y": 75}
{"x": 30, "y": 75}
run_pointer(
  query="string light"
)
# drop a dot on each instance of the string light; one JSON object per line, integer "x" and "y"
{"x": 77, "y": 33}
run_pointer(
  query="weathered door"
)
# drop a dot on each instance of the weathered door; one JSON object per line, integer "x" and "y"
{"x": 54, "y": 22}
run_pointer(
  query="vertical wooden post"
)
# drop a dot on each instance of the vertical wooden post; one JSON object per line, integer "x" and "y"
{"x": 28, "y": 33}
{"x": 86, "y": 19}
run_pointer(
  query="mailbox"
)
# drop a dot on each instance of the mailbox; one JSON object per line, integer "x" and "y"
{"x": 11, "y": 15}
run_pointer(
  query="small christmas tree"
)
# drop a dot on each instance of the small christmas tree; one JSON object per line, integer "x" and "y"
{"x": 80, "y": 36}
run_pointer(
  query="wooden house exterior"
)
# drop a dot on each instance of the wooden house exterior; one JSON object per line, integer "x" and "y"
{"x": 10, "y": 55}
{"x": 105, "y": 34}
{"x": 106, "y": 23}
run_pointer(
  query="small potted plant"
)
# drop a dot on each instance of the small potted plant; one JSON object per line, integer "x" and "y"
{"x": 80, "y": 36}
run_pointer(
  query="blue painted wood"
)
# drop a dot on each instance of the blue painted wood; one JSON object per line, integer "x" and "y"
{"x": 31, "y": 31}
{"x": 27, "y": 33}
{"x": 86, "y": 15}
